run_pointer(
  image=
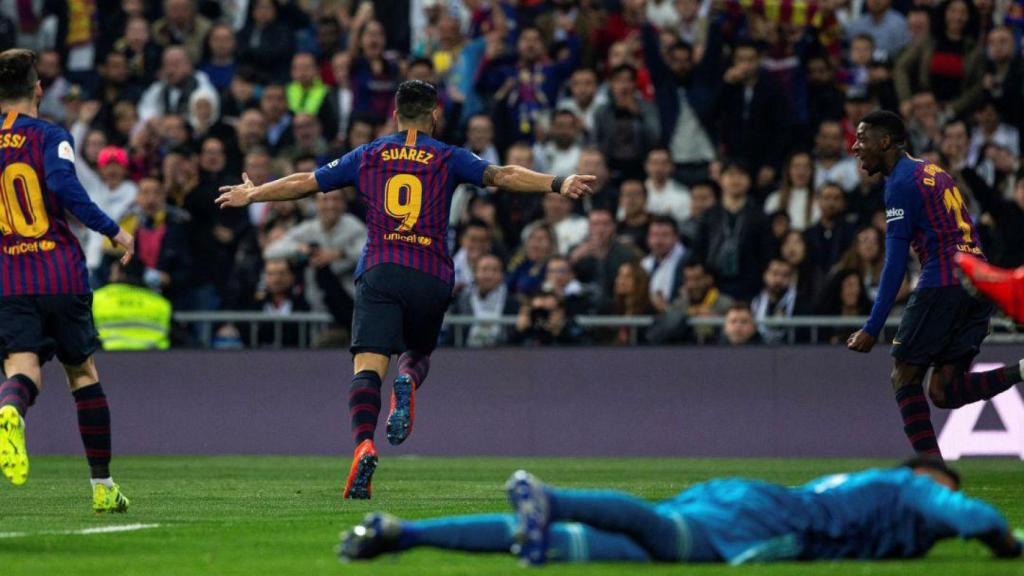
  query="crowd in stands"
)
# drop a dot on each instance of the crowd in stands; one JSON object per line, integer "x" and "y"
{"x": 719, "y": 131}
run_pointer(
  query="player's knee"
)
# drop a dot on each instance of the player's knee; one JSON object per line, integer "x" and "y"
{"x": 27, "y": 365}
{"x": 81, "y": 375}
{"x": 937, "y": 394}
{"x": 904, "y": 375}
{"x": 371, "y": 361}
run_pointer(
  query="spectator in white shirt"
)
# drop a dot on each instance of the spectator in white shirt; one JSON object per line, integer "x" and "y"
{"x": 830, "y": 163}
{"x": 665, "y": 196}
{"x": 663, "y": 263}
{"x": 560, "y": 155}
{"x": 796, "y": 197}
{"x": 583, "y": 99}
{"x": 170, "y": 95}
{"x": 111, "y": 190}
{"x": 989, "y": 130}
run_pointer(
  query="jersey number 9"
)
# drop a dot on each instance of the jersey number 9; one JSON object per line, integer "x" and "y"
{"x": 403, "y": 199}
{"x": 19, "y": 183}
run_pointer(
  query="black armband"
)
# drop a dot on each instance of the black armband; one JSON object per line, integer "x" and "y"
{"x": 556, "y": 184}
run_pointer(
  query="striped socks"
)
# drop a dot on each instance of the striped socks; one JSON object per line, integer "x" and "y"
{"x": 965, "y": 388}
{"x": 917, "y": 420}
{"x": 18, "y": 391}
{"x": 364, "y": 405}
{"x": 94, "y": 427}
{"x": 415, "y": 366}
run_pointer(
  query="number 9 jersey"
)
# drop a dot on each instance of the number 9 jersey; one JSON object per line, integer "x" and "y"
{"x": 406, "y": 181}
{"x": 39, "y": 255}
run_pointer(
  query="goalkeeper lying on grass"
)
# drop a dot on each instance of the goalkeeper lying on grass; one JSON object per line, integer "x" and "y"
{"x": 881, "y": 513}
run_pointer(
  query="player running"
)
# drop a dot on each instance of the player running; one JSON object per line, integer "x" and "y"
{"x": 45, "y": 300}
{"x": 404, "y": 276}
{"x": 875, "y": 514}
{"x": 943, "y": 326}
{"x": 1002, "y": 286}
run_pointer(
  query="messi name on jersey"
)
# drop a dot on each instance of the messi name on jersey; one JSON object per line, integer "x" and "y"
{"x": 413, "y": 154}
{"x": 10, "y": 140}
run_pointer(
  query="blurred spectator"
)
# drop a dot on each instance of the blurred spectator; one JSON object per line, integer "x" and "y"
{"x": 583, "y": 99}
{"x": 266, "y": 43}
{"x": 480, "y": 138}
{"x": 665, "y": 196}
{"x": 329, "y": 245}
{"x": 111, "y": 190}
{"x": 989, "y": 130}
{"x": 1006, "y": 220}
{"x": 116, "y": 84}
{"x": 631, "y": 297}
{"x": 806, "y": 277}
{"x": 219, "y": 63}
{"x": 274, "y": 106}
{"x": 829, "y": 238}
{"x": 336, "y": 110}
{"x": 560, "y": 155}
{"x": 795, "y": 197}
{"x": 560, "y": 279}
{"x": 543, "y": 321}
{"x": 25, "y": 24}
{"x": 144, "y": 56}
{"x": 751, "y": 115}
{"x": 523, "y": 85}
{"x": 947, "y": 63}
{"x": 1004, "y": 74}
{"x": 740, "y": 328}
{"x": 633, "y": 218}
{"x": 487, "y": 299}
{"x": 277, "y": 296}
{"x": 887, "y": 26}
{"x": 307, "y": 139}
{"x": 703, "y": 195}
{"x": 597, "y": 259}
{"x": 698, "y": 297}
{"x": 777, "y": 299}
{"x": 844, "y": 295}
{"x": 824, "y": 98}
{"x": 374, "y": 77}
{"x": 855, "y": 76}
{"x": 831, "y": 164}
{"x": 627, "y": 127}
{"x": 526, "y": 269}
{"x": 182, "y": 26}
{"x": 170, "y": 94}
{"x": 593, "y": 162}
{"x": 570, "y": 229}
{"x": 924, "y": 129}
{"x": 733, "y": 241}
{"x": 55, "y": 86}
{"x": 664, "y": 262}
{"x": 475, "y": 242}
{"x": 306, "y": 92}
{"x": 866, "y": 256}
{"x": 163, "y": 257}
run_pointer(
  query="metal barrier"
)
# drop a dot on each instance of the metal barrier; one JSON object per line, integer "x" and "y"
{"x": 313, "y": 323}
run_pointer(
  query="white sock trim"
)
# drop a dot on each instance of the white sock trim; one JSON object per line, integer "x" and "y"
{"x": 108, "y": 482}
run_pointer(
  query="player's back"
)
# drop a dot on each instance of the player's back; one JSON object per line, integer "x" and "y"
{"x": 406, "y": 181}
{"x": 39, "y": 255}
{"x": 925, "y": 205}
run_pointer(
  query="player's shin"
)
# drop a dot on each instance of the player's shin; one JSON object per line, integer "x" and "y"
{"x": 415, "y": 366}
{"x": 94, "y": 427}
{"x": 18, "y": 391}
{"x": 964, "y": 387}
{"x": 917, "y": 420}
{"x": 364, "y": 404}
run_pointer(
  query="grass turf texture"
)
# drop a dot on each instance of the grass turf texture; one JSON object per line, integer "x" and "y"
{"x": 282, "y": 515}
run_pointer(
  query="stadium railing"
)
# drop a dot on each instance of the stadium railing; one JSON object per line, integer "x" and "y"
{"x": 805, "y": 329}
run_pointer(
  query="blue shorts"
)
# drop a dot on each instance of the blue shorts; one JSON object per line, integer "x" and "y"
{"x": 941, "y": 326}
{"x": 398, "y": 309}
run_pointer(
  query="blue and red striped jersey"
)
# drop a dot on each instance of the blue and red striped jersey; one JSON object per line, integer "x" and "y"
{"x": 924, "y": 206}
{"x": 406, "y": 180}
{"x": 38, "y": 253}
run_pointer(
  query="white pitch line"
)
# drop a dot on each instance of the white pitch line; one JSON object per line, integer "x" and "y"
{"x": 81, "y": 532}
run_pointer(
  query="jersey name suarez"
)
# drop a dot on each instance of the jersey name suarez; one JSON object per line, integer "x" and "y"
{"x": 406, "y": 181}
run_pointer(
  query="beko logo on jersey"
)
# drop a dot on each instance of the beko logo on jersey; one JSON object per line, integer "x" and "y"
{"x": 893, "y": 214}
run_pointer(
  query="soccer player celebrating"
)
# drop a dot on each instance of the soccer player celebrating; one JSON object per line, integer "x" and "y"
{"x": 404, "y": 277}
{"x": 876, "y": 514}
{"x": 943, "y": 326}
{"x": 45, "y": 301}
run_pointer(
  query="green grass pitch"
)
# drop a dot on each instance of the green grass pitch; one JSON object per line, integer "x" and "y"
{"x": 282, "y": 515}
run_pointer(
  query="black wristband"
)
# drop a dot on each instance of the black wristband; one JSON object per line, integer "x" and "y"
{"x": 556, "y": 184}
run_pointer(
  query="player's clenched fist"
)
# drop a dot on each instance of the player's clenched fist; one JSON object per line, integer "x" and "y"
{"x": 578, "y": 186}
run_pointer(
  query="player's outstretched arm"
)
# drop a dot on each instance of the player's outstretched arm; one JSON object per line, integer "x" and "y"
{"x": 291, "y": 187}
{"x": 519, "y": 179}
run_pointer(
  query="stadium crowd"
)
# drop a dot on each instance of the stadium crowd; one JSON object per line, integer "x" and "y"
{"x": 719, "y": 131}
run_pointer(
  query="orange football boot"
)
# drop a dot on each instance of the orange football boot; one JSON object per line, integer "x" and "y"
{"x": 1002, "y": 286}
{"x": 364, "y": 462}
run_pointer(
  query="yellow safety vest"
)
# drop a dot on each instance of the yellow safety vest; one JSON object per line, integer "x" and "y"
{"x": 131, "y": 318}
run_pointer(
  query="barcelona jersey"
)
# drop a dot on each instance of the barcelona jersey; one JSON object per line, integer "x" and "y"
{"x": 39, "y": 255}
{"x": 924, "y": 206}
{"x": 406, "y": 181}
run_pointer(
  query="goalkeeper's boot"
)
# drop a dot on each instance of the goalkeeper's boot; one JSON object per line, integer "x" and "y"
{"x": 13, "y": 457}
{"x": 403, "y": 409}
{"x": 108, "y": 499}
{"x": 364, "y": 462}
{"x": 529, "y": 498}
{"x": 377, "y": 534}
{"x": 1002, "y": 286}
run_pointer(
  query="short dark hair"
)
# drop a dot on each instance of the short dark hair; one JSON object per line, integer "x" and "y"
{"x": 889, "y": 123}
{"x": 662, "y": 220}
{"x": 422, "y": 62}
{"x": 934, "y": 464}
{"x": 415, "y": 99}
{"x": 621, "y": 69}
{"x": 18, "y": 74}
{"x": 740, "y": 306}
